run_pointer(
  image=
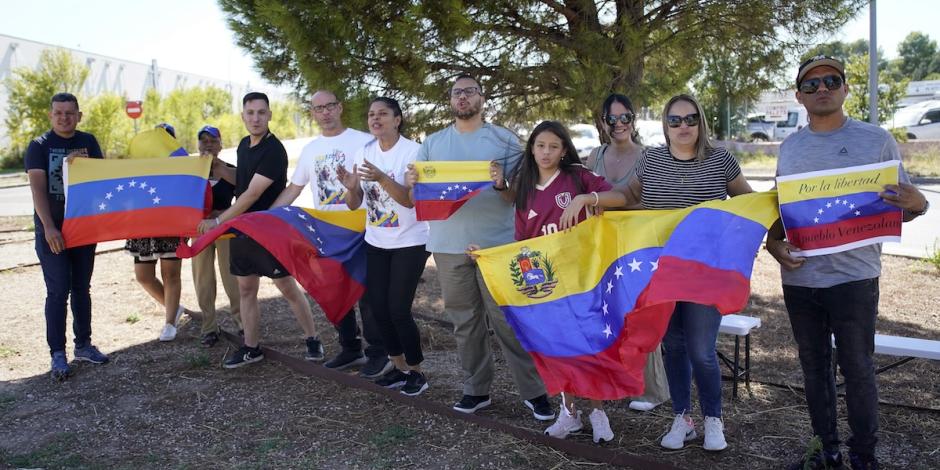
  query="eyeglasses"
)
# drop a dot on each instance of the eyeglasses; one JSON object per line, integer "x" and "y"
{"x": 469, "y": 92}
{"x": 674, "y": 121}
{"x": 626, "y": 118}
{"x": 325, "y": 107}
{"x": 810, "y": 85}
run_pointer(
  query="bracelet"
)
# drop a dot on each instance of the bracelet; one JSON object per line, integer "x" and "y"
{"x": 597, "y": 199}
{"x": 217, "y": 221}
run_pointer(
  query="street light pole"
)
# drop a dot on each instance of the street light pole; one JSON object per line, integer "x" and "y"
{"x": 872, "y": 65}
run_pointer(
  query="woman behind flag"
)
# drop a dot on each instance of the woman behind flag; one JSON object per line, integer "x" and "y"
{"x": 146, "y": 253}
{"x": 685, "y": 172}
{"x": 551, "y": 192}
{"x": 395, "y": 240}
{"x": 616, "y": 162}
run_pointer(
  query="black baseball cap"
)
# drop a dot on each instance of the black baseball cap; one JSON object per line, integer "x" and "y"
{"x": 817, "y": 61}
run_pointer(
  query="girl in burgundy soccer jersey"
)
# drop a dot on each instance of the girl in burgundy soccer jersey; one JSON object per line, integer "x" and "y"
{"x": 551, "y": 190}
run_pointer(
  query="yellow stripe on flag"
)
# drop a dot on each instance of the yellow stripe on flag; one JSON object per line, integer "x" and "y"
{"x": 352, "y": 220}
{"x": 450, "y": 172}
{"x": 151, "y": 144}
{"x": 83, "y": 170}
{"x": 832, "y": 183}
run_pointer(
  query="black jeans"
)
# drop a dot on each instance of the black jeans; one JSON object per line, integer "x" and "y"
{"x": 391, "y": 280}
{"x": 846, "y": 311}
{"x": 349, "y": 332}
{"x": 67, "y": 276}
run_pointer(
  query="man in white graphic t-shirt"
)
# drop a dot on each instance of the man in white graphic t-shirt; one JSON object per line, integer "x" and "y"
{"x": 337, "y": 145}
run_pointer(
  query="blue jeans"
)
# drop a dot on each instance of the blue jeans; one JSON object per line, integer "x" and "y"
{"x": 67, "y": 274}
{"x": 848, "y": 312}
{"x": 690, "y": 349}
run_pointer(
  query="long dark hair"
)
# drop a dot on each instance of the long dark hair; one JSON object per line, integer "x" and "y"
{"x": 392, "y": 104}
{"x": 526, "y": 175}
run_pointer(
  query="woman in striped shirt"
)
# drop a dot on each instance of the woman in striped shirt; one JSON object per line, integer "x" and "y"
{"x": 685, "y": 172}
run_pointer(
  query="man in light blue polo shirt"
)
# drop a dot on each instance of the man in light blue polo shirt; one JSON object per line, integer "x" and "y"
{"x": 486, "y": 220}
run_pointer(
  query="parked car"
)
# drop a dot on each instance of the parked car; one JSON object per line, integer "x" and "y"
{"x": 584, "y": 137}
{"x": 651, "y": 132}
{"x": 919, "y": 120}
{"x": 760, "y": 129}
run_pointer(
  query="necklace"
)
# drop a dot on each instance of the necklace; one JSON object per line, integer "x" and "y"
{"x": 682, "y": 168}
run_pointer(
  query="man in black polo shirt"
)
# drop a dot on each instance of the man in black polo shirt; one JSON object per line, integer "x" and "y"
{"x": 260, "y": 176}
{"x": 66, "y": 272}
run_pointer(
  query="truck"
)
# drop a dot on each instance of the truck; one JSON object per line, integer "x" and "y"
{"x": 760, "y": 128}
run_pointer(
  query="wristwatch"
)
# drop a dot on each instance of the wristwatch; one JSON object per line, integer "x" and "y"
{"x": 922, "y": 211}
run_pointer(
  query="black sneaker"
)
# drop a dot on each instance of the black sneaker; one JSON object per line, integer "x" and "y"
{"x": 415, "y": 383}
{"x": 376, "y": 367}
{"x": 541, "y": 408}
{"x": 471, "y": 403}
{"x": 345, "y": 359}
{"x": 863, "y": 461}
{"x": 243, "y": 357}
{"x": 393, "y": 379}
{"x": 821, "y": 460}
{"x": 209, "y": 339}
{"x": 314, "y": 350}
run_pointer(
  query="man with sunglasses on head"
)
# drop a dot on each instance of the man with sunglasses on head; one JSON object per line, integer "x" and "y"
{"x": 486, "y": 220}
{"x": 837, "y": 294}
{"x": 337, "y": 145}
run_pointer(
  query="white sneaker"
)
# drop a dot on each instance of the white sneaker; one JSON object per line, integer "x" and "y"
{"x": 565, "y": 424}
{"x": 600, "y": 426}
{"x": 639, "y": 405}
{"x": 683, "y": 429}
{"x": 168, "y": 333}
{"x": 714, "y": 434}
{"x": 179, "y": 314}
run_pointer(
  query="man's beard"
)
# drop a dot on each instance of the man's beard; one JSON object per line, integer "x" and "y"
{"x": 471, "y": 111}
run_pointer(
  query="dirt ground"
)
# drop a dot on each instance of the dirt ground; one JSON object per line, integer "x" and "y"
{"x": 171, "y": 405}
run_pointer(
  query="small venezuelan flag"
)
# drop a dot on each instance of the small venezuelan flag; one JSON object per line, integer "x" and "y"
{"x": 323, "y": 250}
{"x": 837, "y": 210}
{"x": 590, "y": 303}
{"x": 155, "y": 143}
{"x": 443, "y": 187}
{"x": 118, "y": 199}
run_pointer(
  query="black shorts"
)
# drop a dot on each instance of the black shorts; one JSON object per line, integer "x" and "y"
{"x": 248, "y": 258}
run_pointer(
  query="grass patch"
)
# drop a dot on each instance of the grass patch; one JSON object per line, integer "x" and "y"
{"x": 923, "y": 164}
{"x": 57, "y": 453}
{"x": 132, "y": 318}
{"x": 6, "y": 351}
{"x": 198, "y": 361}
{"x": 393, "y": 436}
{"x": 932, "y": 259}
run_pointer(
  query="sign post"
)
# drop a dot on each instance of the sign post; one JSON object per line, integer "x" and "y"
{"x": 134, "y": 110}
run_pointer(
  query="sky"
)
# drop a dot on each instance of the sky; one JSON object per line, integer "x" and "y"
{"x": 192, "y": 35}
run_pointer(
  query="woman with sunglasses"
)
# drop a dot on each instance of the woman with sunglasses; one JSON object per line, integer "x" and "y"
{"x": 685, "y": 172}
{"x": 615, "y": 163}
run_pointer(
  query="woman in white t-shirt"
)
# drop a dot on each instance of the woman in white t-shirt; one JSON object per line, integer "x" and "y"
{"x": 395, "y": 240}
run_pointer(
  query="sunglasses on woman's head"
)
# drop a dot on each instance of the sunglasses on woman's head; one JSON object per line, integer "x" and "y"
{"x": 810, "y": 85}
{"x": 675, "y": 121}
{"x": 612, "y": 119}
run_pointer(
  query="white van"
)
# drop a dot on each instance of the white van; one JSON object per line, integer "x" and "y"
{"x": 919, "y": 120}
{"x": 760, "y": 129}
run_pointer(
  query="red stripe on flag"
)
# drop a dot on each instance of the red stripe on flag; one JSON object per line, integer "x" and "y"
{"x": 847, "y": 231}
{"x": 139, "y": 223}
{"x": 680, "y": 280}
{"x": 436, "y": 209}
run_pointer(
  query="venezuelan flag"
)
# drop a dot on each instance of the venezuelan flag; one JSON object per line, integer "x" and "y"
{"x": 155, "y": 143}
{"x": 117, "y": 199}
{"x": 589, "y": 304}
{"x": 837, "y": 210}
{"x": 323, "y": 250}
{"x": 443, "y": 187}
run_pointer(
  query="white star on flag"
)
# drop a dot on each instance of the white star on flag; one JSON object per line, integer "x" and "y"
{"x": 635, "y": 265}
{"x": 816, "y": 219}
{"x": 607, "y": 332}
{"x": 156, "y": 200}
{"x": 844, "y": 202}
{"x": 442, "y": 196}
{"x": 152, "y": 190}
{"x": 837, "y": 201}
{"x": 120, "y": 187}
{"x": 143, "y": 185}
{"x": 858, "y": 213}
{"x": 108, "y": 196}
{"x": 287, "y": 208}
{"x": 655, "y": 265}
{"x": 828, "y": 205}
{"x": 820, "y": 211}
{"x": 132, "y": 184}
{"x": 302, "y": 216}
{"x": 101, "y": 206}
{"x": 619, "y": 271}
{"x": 604, "y": 308}
{"x": 310, "y": 228}
{"x": 851, "y": 206}
{"x": 610, "y": 286}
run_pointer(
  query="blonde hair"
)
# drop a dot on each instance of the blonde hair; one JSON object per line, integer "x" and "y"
{"x": 702, "y": 143}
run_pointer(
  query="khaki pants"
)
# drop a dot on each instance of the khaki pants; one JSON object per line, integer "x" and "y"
{"x": 654, "y": 379}
{"x": 204, "y": 279}
{"x": 472, "y": 309}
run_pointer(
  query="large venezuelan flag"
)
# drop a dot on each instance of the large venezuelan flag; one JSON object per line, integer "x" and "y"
{"x": 117, "y": 199}
{"x": 323, "y": 250}
{"x": 837, "y": 210}
{"x": 443, "y": 187}
{"x": 589, "y": 304}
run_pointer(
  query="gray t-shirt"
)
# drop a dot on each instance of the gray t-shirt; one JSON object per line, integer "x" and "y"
{"x": 485, "y": 220}
{"x": 855, "y": 143}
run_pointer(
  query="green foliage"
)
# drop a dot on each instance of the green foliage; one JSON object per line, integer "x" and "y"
{"x": 395, "y": 435}
{"x": 856, "y": 104}
{"x": 104, "y": 117}
{"x": 899, "y": 134}
{"x": 918, "y": 56}
{"x": 536, "y": 59}
{"x": 132, "y": 318}
{"x": 933, "y": 258}
{"x": 30, "y": 91}
{"x": 838, "y": 49}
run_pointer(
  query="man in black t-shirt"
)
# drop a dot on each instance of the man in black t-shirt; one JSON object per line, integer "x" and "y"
{"x": 260, "y": 176}
{"x": 66, "y": 272}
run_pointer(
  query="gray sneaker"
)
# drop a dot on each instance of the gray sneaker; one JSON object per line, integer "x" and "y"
{"x": 376, "y": 367}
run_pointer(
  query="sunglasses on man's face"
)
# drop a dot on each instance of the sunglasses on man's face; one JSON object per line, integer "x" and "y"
{"x": 810, "y": 85}
{"x": 612, "y": 119}
{"x": 675, "y": 121}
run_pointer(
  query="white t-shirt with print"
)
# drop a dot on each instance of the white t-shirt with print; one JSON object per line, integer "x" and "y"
{"x": 388, "y": 223}
{"x": 317, "y": 167}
